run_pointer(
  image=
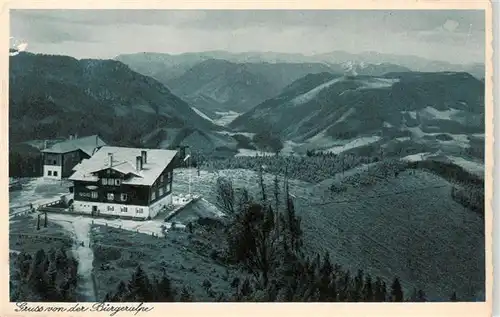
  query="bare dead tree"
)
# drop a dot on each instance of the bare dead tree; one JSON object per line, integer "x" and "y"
{"x": 225, "y": 194}
{"x": 261, "y": 182}
{"x": 276, "y": 193}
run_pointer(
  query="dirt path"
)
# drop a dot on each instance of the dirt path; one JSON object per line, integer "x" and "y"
{"x": 85, "y": 257}
{"x": 80, "y": 229}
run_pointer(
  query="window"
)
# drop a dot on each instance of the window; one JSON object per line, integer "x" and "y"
{"x": 123, "y": 197}
{"x": 111, "y": 196}
{"x": 138, "y": 210}
{"x": 49, "y": 173}
{"x": 169, "y": 187}
{"x": 161, "y": 178}
{"x": 117, "y": 182}
{"x": 55, "y": 173}
{"x": 54, "y": 162}
{"x": 94, "y": 195}
{"x": 161, "y": 191}
{"x": 111, "y": 208}
{"x": 108, "y": 172}
{"x": 105, "y": 181}
{"x": 153, "y": 195}
{"x": 123, "y": 209}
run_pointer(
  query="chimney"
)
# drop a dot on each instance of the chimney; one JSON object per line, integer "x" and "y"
{"x": 110, "y": 157}
{"x": 144, "y": 157}
{"x": 138, "y": 163}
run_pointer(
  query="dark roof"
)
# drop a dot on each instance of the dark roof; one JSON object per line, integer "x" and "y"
{"x": 87, "y": 144}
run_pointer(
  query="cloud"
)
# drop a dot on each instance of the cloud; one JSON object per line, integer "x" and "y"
{"x": 107, "y": 33}
{"x": 43, "y": 29}
{"x": 450, "y": 25}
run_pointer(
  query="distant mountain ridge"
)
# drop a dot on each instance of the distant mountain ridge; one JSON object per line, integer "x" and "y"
{"x": 171, "y": 66}
{"x": 215, "y": 84}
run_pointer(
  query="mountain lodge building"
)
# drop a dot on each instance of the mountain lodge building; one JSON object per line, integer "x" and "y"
{"x": 60, "y": 159}
{"x": 124, "y": 182}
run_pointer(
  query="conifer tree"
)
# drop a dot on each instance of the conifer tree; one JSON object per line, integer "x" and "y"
{"x": 384, "y": 292}
{"x": 396, "y": 291}
{"x": 166, "y": 292}
{"x": 140, "y": 287}
{"x": 454, "y": 297}
{"x": 368, "y": 295}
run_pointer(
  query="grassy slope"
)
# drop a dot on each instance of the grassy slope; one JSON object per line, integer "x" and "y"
{"x": 444, "y": 241}
{"x": 184, "y": 257}
{"x": 30, "y": 244}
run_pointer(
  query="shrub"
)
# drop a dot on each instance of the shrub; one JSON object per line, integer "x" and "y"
{"x": 470, "y": 196}
{"x": 106, "y": 254}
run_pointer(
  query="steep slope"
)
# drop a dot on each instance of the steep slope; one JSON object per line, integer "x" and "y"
{"x": 443, "y": 109}
{"x": 160, "y": 66}
{"x": 227, "y": 86}
{"x": 220, "y": 85}
{"x": 53, "y": 96}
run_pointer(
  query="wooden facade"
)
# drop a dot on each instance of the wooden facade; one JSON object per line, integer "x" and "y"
{"x": 111, "y": 191}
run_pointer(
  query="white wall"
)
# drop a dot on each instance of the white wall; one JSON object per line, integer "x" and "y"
{"x": 85, "y": 207}
{"x": 155, "y": 208}
{"x": 52, "y": 169}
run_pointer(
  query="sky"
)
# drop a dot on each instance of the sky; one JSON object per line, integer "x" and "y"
{"x": 456, "y": 36}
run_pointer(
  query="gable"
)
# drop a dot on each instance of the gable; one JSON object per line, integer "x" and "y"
{"x": 109, "y": 172}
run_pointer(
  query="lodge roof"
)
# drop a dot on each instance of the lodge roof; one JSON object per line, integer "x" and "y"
{"x": 124, "y": 161}
{"x": 86, "y": 144}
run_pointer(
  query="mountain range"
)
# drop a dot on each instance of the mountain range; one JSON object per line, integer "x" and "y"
{"x": 54, "y": 96}
{"x": 219, "y": 85}
{"x": 164, "y": 66}
{"x": 441, "y": 111}
{"x": 310, "y": 105}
